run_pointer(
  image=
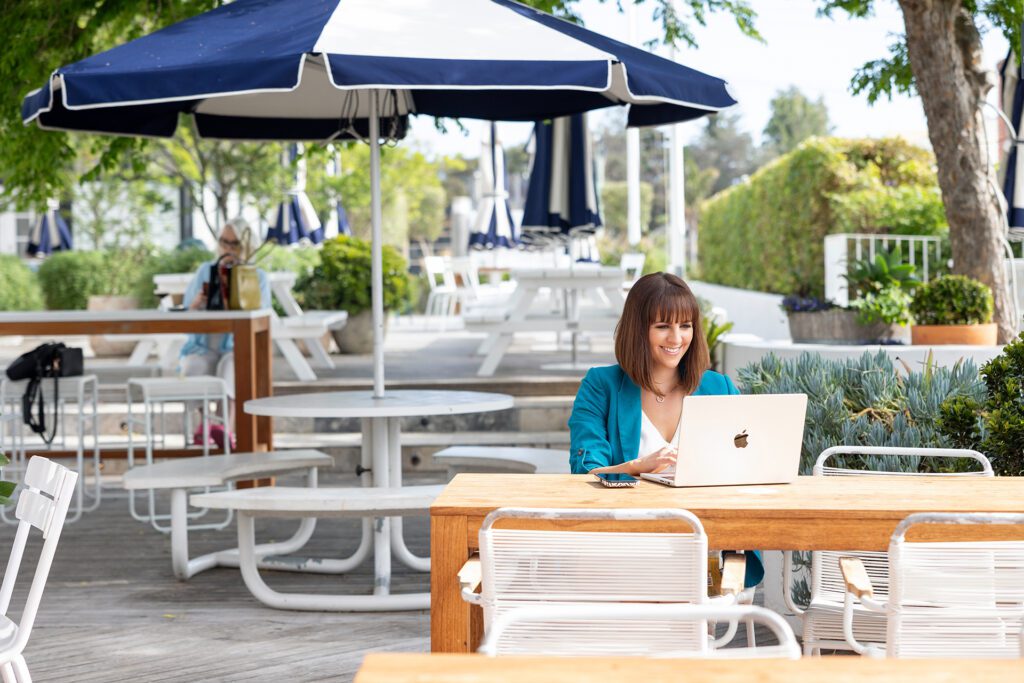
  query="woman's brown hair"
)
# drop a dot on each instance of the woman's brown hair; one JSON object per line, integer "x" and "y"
{"x": 659, "y": 297}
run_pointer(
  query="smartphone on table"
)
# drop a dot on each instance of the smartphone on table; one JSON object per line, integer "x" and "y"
{"x": 616, "y": 480}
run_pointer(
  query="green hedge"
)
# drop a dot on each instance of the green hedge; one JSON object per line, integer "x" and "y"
{"x": 69, "y": 278}
{"x": 766, "y": 234}
{"x": 19, "y": 287}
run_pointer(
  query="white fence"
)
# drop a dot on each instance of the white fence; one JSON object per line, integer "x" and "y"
{"x": 922, "y": 251}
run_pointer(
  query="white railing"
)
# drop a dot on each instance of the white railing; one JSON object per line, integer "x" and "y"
{"x": 924, "y": 252}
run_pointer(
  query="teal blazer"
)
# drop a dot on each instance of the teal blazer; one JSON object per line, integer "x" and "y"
{"x": 604, "y": 428}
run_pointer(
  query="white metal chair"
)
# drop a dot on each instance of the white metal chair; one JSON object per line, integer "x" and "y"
{"x": 632, "y": 266}
{"x": 42, "y": 504}
{"x": 946, "y": 599}
{"x": 823, "y": 617}
{"x": 153, "y": 393}
{"x": 631, "y": 630}
{"x": 526, "y": 567}
{"x": 443, "y": 295}
{"x": 78, "y": 397}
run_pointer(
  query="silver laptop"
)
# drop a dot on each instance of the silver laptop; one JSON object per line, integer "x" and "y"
{"x": 738, "y": 439}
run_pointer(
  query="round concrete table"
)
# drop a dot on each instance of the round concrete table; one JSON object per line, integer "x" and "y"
{"x": 381, "y": 458}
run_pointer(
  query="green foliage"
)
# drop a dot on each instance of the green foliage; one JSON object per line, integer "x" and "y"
{"x": 794, "y": 119}
{"x": 899, "y": 210}
{"x": 865, "y": 402}
{"x": 298, "y": 260}
{"x": 767, "y": 234}
{"x": 651, "y": 245}
{"x": 952, "y": 300}
{"x": 6, "y": 487}
{"x": 165, "y": 261}
{"x": 342, "y": 280}
{"x": 713, "y": 330}
{"x": 69, "y": 278}
{"x": 890, "y": 304}
{"x": 614, "y": 207}
{"x": 727, "y": 149}
{"x": 19, "y": 288}
{"x": 994, "y": 423}
{"x": 887, "y": 270}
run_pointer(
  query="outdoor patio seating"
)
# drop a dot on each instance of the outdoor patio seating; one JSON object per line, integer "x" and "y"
{"x": 631, "y": 630}
{"x": 153, "y": 393}
{"x": 522, "y": 567}
{"x": 43, "y": 503}
{"x": 443, "y": 298}
{"x": 181, "y": 475}
{"x": 823, "y": 617}
{"x": 78, "y": 400}
{"x": 503, "y": 459}
{"x": 946, "y": 599}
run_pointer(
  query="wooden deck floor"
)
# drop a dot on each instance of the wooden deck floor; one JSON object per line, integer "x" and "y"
{"x": 113, "y": 611}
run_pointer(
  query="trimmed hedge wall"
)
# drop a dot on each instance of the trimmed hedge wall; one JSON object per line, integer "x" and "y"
{"x": 19, "y": 287}
{"x": 766, "y": 234}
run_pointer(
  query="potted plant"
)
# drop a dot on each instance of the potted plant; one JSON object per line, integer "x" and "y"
{"x": 342, "y": 282}
{"x": 953, "y": 309}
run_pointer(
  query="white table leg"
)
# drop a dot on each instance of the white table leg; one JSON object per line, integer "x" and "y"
{"x": 318, "y": 354}
{"x": 398, "y": 547}
{"x": 381, "y": 525}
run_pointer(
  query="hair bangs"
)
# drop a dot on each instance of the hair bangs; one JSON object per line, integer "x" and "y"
{"x": 673, "y": 305}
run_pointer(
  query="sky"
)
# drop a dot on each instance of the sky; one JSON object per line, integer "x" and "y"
{"x": 815, "y": 54}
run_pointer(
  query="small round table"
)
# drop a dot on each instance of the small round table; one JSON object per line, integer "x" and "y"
{"x": 381, "y": 457}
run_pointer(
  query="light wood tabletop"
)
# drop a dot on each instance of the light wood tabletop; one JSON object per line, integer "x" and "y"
{"x": 465, "y": 668}
{"x": 813, "y": 513}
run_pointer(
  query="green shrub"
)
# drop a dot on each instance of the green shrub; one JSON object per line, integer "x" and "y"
{"x": 298, "y": 260}
{"x": 614, "y": 206}
{"x": 342, "y": 280}
{"x": 69, "y": 278}
{"x": 994, "y": 423}
{"x": 166, "y": 261}
{"x": 19, "y": 287}
{"x": 901, "y": 210}
{"x": 890, "y": 305}
{"x": 865, "y": 402}
{"x": 767, "y": 233}
{"x": 952, "y": 300}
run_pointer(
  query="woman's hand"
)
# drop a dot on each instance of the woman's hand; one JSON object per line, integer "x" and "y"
{"x": 657, "y": 461}
{"x": 198, "y": 303}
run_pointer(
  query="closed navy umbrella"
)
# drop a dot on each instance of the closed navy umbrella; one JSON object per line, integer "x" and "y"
{"x": 1013, "y": 107}
{"x": 494, "y": 226}
{"x": 51, "y": 233}
{"x": 295, "y": 219}
{"x": 326, "y": 70}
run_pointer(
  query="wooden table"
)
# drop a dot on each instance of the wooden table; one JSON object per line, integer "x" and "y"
{"x": 813, "y": 513}
{"x": 252, "y": 353}
{"x": 379, "y": 667}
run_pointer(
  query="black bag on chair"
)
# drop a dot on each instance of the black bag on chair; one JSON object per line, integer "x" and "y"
{"x": 46, "y": 360}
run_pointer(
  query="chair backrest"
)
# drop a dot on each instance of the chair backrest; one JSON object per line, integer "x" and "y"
{"x": 632, "y": 266}
{"x": 879, "y": 461}
{"x": 955, "y": 599}
{"x": 637, "y": 630}
{"x": 43, "y": 504}
{"x": 439, "y": 275}
{"x": 523, "y": 567}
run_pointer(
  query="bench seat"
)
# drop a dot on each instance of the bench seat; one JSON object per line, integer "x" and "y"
{"x": 516, "y": 459}
{"x": 294, "y": 501}
{"x": 218, "y": 470}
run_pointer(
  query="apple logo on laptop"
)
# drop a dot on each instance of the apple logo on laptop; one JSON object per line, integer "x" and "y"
{"x": 740, "y": 440}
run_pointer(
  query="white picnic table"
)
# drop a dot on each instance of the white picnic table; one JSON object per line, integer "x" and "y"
{"x": 308, "y": 326}
{"x": 382, "y": 461}
{"x": 601, "y": 284}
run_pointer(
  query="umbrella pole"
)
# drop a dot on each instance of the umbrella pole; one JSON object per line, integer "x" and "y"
{"x": 376, "y": 252}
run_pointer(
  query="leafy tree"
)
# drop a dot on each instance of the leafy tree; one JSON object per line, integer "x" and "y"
{"x": 723, "y": 146}
{"x": 794, "y": 119}
{"x": 940, "y": 57}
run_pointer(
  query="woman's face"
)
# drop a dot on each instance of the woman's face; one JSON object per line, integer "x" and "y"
{"x": 228, "y": 243}
{"x": 669, "y": 342}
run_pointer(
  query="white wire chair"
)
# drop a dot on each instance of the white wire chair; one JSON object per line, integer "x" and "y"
{"x": 443, "y": 296}
{"x": 42, "y": 504}
{"x": 648, "y": 630}
{"x": 823, "y": 617}
{"x": 946, "y": 599}
{"x": 522, "y": 567}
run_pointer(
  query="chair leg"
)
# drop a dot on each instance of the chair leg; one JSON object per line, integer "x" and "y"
{"x": 21, "y": 670}
{"x": 7, "y": 673}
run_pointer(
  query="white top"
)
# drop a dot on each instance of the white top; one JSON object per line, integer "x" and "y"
{"x": 651, "y": 439}
{"x": 395, "y": 403}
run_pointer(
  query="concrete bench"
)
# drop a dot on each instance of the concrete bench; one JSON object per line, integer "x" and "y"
{"x": 181, "y": 474}
{"x": 310, "y": 504}
{"x": 504, "y": 459}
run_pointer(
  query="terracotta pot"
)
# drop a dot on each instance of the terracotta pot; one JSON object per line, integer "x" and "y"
{"x": 839, "y": 326}
{"x": 100, "y": 345}
{"x": 357, "y": 334}
{"x": 971, "y": 335}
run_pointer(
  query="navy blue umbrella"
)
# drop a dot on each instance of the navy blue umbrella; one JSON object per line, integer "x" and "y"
{"x": 494, "y": 226}
{"x": 327, "y": 70}
{"x": 295, "y": 219}
{"x": 561, "y": 197}
{"x": 51, "y": 233}
{"x": 1013, "y": 107}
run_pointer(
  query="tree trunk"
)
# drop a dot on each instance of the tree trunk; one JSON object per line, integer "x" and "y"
{"x": 946, "y": 58}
